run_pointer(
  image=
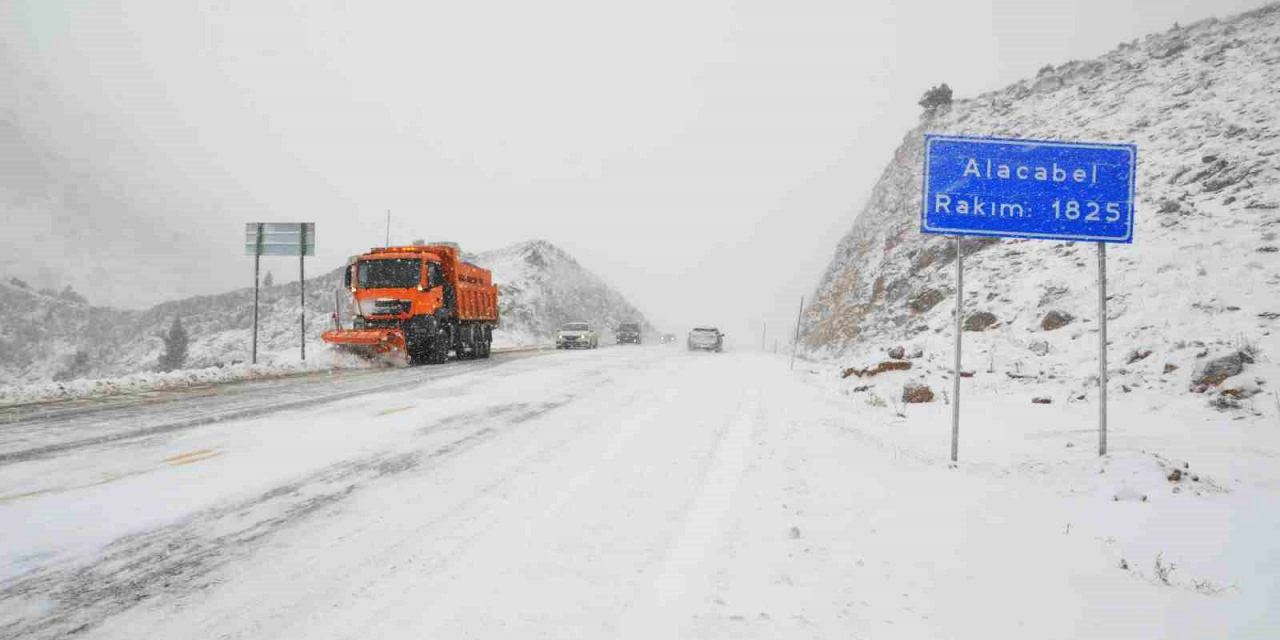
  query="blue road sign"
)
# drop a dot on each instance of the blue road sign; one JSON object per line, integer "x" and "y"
{"x": 1028, "y": 189}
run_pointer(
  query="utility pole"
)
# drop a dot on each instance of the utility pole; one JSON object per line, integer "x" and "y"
{"x": 764, "y": 330}
{"x": 387, "y": 243}
{"x": 796, "y": 343}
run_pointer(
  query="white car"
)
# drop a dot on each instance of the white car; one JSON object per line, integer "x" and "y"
{"x": 577, "y": 335}
{"x": 706, "y": 339}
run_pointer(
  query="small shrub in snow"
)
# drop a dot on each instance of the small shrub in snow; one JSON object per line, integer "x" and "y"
{"x": 936, "y": 97}
{"x": 175, "y": 346}
{"x": 70, "y": 295}
{"x": 1163, "y": 570}
{"x": 75, "y": 368}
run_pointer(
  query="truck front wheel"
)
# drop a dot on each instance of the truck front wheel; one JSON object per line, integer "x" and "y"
{"x": 437, "y": 351}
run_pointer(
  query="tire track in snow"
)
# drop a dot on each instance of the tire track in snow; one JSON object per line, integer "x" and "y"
{"x": 435, "y": 620}
{"x": 180, "y": 559}
{"x": 657, "y": 613}
{"x": 259, "y": 403}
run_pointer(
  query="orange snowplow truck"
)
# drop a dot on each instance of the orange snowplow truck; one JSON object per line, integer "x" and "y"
{"x": 422, "y": 300}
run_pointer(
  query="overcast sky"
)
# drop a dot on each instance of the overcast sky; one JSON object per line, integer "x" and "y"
{"x": 702, "y": 156}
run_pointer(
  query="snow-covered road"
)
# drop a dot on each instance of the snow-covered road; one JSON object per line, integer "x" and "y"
{"x": 626, "y": 492}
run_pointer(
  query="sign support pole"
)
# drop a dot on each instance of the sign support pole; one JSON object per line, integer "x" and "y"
{"x": 1102, "y": 348}
{"x": 257, "y": 258}
{"x": 795, "y": 344}
{"x": 764, "y": 330}
{"x": 955, "y": 378}
{"x": 302, "y": 289}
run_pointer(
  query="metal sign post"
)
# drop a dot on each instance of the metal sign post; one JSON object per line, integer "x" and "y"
{"x": 281, "y": 239}
{"x": 257, "y": 259}
{"x": 955, "y": 383}
{"x": 997, "y": 187}
{"x": 1102, "y": 349}
{"x": 302, "y": 293}
{"x": 795, "y": 344}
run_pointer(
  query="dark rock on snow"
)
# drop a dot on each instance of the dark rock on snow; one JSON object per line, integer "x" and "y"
{"x": 1216, "y": 370}
{"x": 1056, "y": 320}
{"x": 979, "y": 321}
{"x": 915, "y": 392}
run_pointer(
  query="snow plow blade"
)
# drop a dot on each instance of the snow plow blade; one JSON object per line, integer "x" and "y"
{"x": 367, "y": 341}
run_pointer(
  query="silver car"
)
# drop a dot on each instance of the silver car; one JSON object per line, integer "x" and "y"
{"x": 577, "y": 335}
{"x": 706, "y": 339}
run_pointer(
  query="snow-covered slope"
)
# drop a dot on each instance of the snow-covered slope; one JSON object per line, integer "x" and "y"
{"x": 48, "y": 337}
{"x": 541, "y": 286}
{"x": 1202, "y": 278}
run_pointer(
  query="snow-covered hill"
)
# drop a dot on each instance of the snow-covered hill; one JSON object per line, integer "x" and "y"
{"x": 541, "y": 286}
{"x": 46, "y": 337}
{"x": 49, "y": 337}
{"x": 1200, "y": 282}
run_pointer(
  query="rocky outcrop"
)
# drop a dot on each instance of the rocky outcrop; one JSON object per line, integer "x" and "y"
{"x": 1198, "y": 101}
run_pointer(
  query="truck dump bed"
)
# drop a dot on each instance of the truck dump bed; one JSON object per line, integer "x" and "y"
{"x": 477, "y": 297}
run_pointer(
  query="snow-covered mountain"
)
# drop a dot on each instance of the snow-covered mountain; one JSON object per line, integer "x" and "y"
{"x": 541, "y": 286}
{"x": 50, "y": 336}
{"x": 1202, "y": 278}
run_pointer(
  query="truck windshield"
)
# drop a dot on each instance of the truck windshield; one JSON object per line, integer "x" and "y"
{"x": 629, "y": 327}
{"x": 397, "y": 273}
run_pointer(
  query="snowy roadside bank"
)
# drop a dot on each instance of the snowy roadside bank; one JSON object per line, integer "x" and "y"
{"x": 274, "y": 366}
{"x": 1185, "y": 499}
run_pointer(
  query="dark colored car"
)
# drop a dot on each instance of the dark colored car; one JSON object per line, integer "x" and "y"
{"x": 706, "y": 339}
{"x": 628, "y": 333}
